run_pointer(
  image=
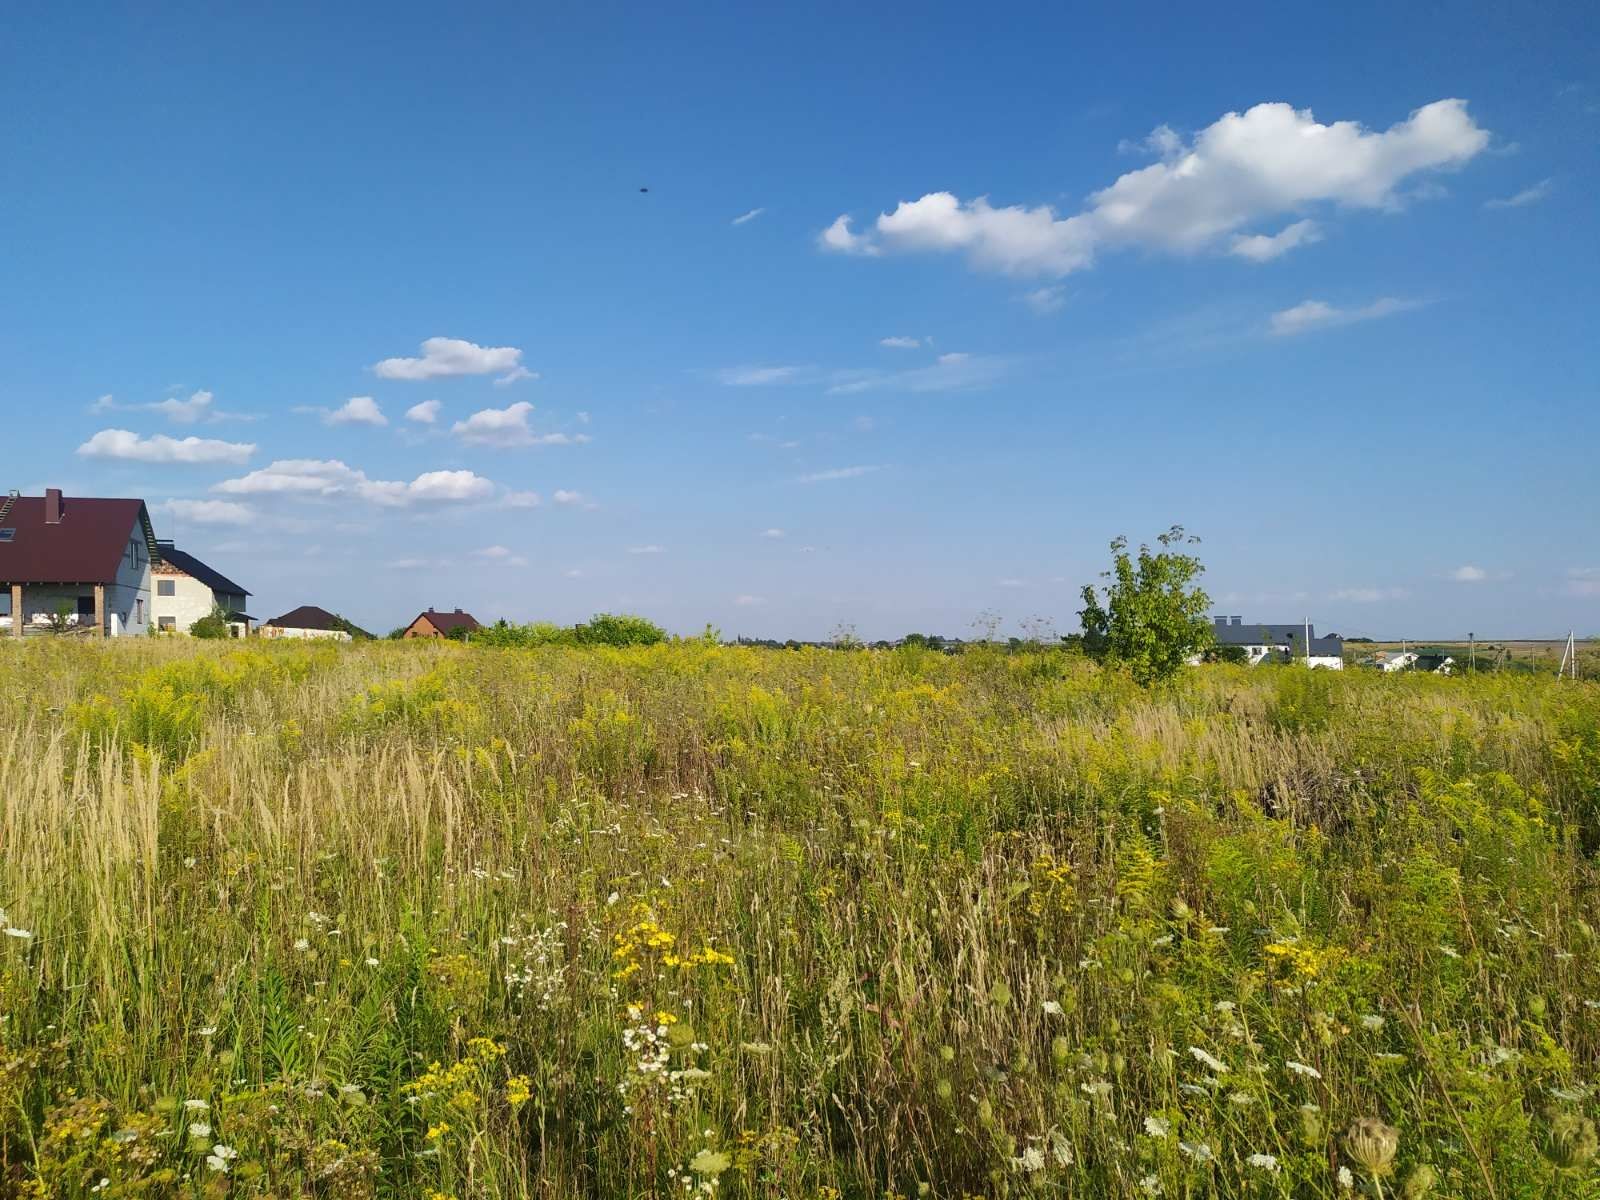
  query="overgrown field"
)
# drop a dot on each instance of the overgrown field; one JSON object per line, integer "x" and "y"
{"x": 409, "y": 920}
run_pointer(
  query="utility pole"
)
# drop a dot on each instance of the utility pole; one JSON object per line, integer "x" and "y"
{"x": 1472, "y": 652}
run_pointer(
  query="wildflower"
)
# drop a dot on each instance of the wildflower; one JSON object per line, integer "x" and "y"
{"x": 1419, "y": 1183}
{"x": 1346, "y": 1179}
{"x": 302, "y": 945}
{"x": 199, "y": 1129}
{"x": 1372, "y": 1022}
{"x": 1031, "y": 1160}
{"x": 1300, "y": 1068}
{"x": 1372, "y": 1145}
{"x": 22, "y": 935}
{"x": 221, "y": 1157}
{"x": 208, "y": 1031}
{"x": 1150, "y": 1185}
{"x": 197, "y": 1105}
{"x": 1264, "y": 1162}
{"x": 1052, "y": 1008}
{"x": 372, "y": 962}
{"x": 1449, "y": 951}
{"x": 1060, "y": 1148}
{"x": 1210, "y": 1061}
{"x": 1199, "y": 1151}
{"x": 1156, "y": 1127}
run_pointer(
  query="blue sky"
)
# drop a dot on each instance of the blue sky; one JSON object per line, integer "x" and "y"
{"x": 1326, "y": 295}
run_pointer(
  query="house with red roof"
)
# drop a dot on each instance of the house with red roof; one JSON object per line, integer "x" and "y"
{"x": 434, "y": 624}
{"x": 75, "y": 564}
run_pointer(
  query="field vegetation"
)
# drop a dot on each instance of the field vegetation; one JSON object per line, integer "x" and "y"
{"x": 685, "y": 920}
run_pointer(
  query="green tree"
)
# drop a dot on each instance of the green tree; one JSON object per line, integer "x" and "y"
{"x": 1152, "y": 618}
{"x": 213, "y": 625}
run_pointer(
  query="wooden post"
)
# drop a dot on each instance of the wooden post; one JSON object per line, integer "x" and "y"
{"x": 99, "y": 610}
{"x": 16, "y": 610}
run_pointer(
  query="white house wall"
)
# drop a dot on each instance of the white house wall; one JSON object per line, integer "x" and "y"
{"x": 190, "y": 601}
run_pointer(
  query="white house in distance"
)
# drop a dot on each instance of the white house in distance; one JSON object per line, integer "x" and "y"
{"x": 90, "y": 557}
{"x": 307, "y": 621}
{"x": 1261, "y": 642}
{"x": 186, "y": 589}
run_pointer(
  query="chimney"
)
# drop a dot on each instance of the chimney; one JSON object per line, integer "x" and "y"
{"x": 1238, "y": 620}
{"x": 52, "y": 506}
{"x": 458, "y": 612}
{"x": 430, "y": 608}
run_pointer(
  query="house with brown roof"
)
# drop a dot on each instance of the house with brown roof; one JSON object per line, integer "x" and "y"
{"x": 75, "y": 563}
{"x": 309, "y": 621}
{"x": 433, "y": 624}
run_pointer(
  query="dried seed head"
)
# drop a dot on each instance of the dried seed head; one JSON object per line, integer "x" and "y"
{"x": 1419, "y": 1183}
{"x": 1371, "y": 1145}
{"x": 1570, "y": 1142}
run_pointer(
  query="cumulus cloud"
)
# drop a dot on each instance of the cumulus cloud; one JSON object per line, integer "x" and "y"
{"x": 443, "y": 357}
{"x": 521, "y": 500}
{"x": 1317, "y": 314}
{"x": 749, "y": 216}
{"x": 1264, "y": 247}
{"x": 900, "y": 343}
{"x": 195, "y": 409}
{"x": 128, "y": 446}
{"x": 840, "y": 240}
{"x": 326, "y": 478}
{"x": 358, "y": 410}
{"x": 508, "y": 427}
{"x": 425, "y": 413}
{"x": 834, "y": 473}
{"x": 209, "y": 512}
{"x": 513, "y": 375}
{"x": 773, "y": 534}
{"x": 1471, "y": 574}
{"x": 1243, "y": 169}
{"x": 569, "y": 499}
{"x": 1527, "y": 196}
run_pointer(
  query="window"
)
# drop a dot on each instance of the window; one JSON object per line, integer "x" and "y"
{"x": 86, "y": 606}
{"x": 167, "y": 622}
{"x": 138, "y": 611}
{"x": 166, "y": 587}
{"x": 7, "y": 534}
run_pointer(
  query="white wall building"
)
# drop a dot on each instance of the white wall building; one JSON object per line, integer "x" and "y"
{"x": 186, "y": 589}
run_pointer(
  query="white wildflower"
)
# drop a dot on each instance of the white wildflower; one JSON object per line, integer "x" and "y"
{"x": 1052, "y": 1008}
{"x": 1150, "y": 1185}
{"x": 1264, "y": 1162}
{"x": 1215, "y": 1064}
{"x": 1372, "y": 1022}
{"x": 302, "y": 945}
{"x": 199, "y": 1129}
{"x": 1300, "y": 1068}
{"x": 1199, "y": 1151}
{"x": 1346, "y": 1179}
{"x": 197, "y": 1105}
{"x": 1156, "y": 1127}
{"x": 1031, "y": 1160}
{"x": 22, "y": 935}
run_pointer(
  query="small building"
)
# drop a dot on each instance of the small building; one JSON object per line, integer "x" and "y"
{"x": 75, "y": 563}
{"x": 1275, "y": 642}
{"x": 435, "y": 624}
{"x": 307, "y": 621}
{"x": 186, "y": 589}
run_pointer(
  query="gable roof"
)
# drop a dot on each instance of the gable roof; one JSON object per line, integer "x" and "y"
{"x": 444, "y": 622}
{"x": 192, "y": 566}
{"x": 85, "y": 546}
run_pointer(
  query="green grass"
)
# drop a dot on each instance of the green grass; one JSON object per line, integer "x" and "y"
{"x": 408, "y": 920}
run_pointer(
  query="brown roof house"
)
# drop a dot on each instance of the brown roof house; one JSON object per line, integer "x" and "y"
{"x": 187, "y": 590}
{"x": 433, "y": 624}
{"x": 75, "y": 563}
{"x": 309, "y": 621}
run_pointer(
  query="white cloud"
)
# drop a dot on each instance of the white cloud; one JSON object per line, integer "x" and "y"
{"x": 1264, "y": 247}
{"x": 1369, "y": 595}
{"x": 501, "y": 555}
{"x": 949, "y": 372}
{"x": 1011, "y": 583}
{"x": 1473, "y": 574}
{"x": 513, "y": 375}
{"x": 443, "y": 357}
{"x": 425, "y": 413}
{"x": 308, "y": 477}
{"x": 900, "y": 343}
{"x": 1244, "y": 168}
{"x": 760, "y": 376}
{"x": 1317, "y": 314}
{"x": 1528, "y": 195}
{"x": 103, "y": 403}
{"x": 521, "y": 500}
{"x": 508, "y": 427}
{"x": 358, "y": 410}
{"x": 1045, "y": 300}
{"x": 836, "y": 473}
{"x": 407, "y": 564}
{"x": 748, "y": 601}
{"x": 650, "y": 549}
{"x": 573, "y": 573}
{"x": 1583, "y": 581}
{"x": 129, "y": 446}
{"x": 773, "y": 534}
{"x": 749, "y": 216}
{"x": 568, "y": 499}
{"x": 838, "y": 238}
{"x": 209, "y": 512}
{"x": 186, "y": 412}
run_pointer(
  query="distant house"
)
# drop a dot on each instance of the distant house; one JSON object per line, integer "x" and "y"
{"x": 308, "y": 621}
{"x": 1264, "y": 642}
{"x": 1435, "y": 661}
{"x": 186, "y": 589}
{"x": 433, "y": 624}
{"x": 90, "y": 557}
